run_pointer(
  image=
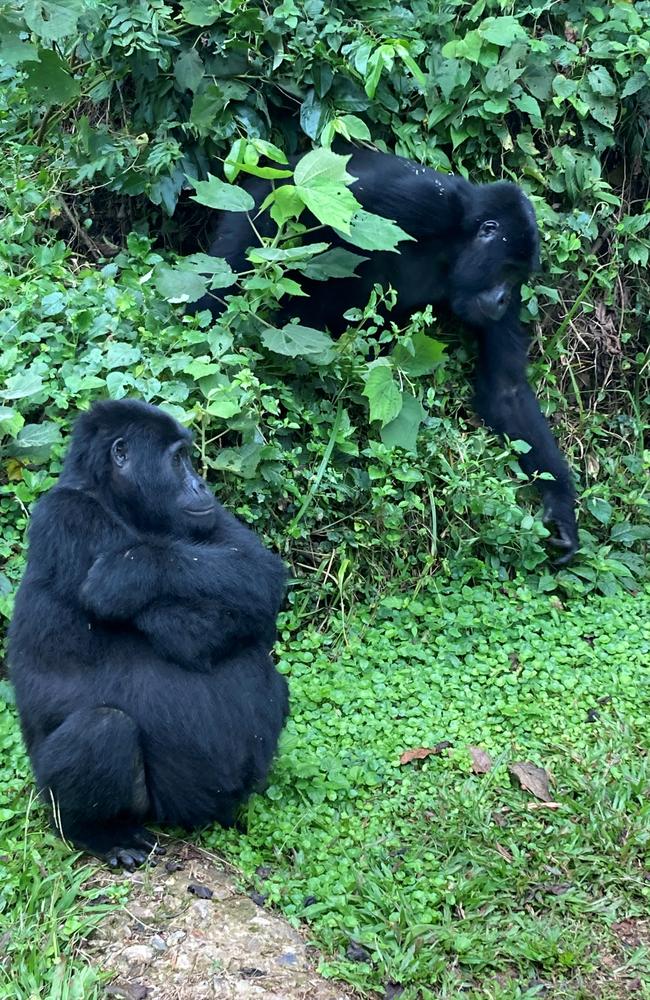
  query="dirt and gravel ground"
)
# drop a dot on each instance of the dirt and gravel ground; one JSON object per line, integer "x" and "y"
{"x": 187, "y": 933}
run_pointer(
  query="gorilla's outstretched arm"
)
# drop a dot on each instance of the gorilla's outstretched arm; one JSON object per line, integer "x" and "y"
{"x": 506, "y": 402}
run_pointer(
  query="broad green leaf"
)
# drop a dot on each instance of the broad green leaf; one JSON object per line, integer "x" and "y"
{"x": 601, "y": 82}
{"x": 240, "y": 461}
{"x": 121, "y": 355}
{"x": 21, "y": 386}
{"x": 402, "y": 432}
{"x": 118, "y": 384}
{"x": 372, "y": 232}
{"x": 36, "y": 438}
{"x": 11, "y": 421}
{"x": 331, "y": 204}
{"x": 635, "y": 83}
{"x": 296, "y": 341}
{"x": 200, "y": 13}
{"x": 268, "y": 173}
{"x": 13, "y": 49}
{"x": 225, "y": 405}
{"x": 176, "y": 284}
{"x": 411, "y": 64}
{"x": 428, "y": 354}
{"x": 52, "y": 20}
{"x": 319, "y": 165}
{"x": 563, "y": 86}
{"x": 50, "y": 81}
{"x": 382, "y": 58}
{"x": 268, "y": 149}
{"x": 602, "y": 510}
{"x": 285, "y": 203}
{"x": 189, "y": 70}
{"x": 215, "y": 193}
{"x": 209, "y": 103}
{"x": 529, "y": 106}
{"x": 468, "y": 48}
{"x": 259, "y": 255}
{"x": 501, "y": 30}
{"x": 321, "y": 180}
{"x": 336, "y": 263}
{"x": 220, "y": 271}
{"x": 383, "y": 394}
{"x": 351, "y": 127}
{"x": 314, "y": 114}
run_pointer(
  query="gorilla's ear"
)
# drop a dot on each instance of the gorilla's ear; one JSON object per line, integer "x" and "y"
{"x": 119, "y": 453}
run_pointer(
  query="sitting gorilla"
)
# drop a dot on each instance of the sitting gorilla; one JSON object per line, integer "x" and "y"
{"x": 474, "y": 246}
{"x": 139, "y": 647}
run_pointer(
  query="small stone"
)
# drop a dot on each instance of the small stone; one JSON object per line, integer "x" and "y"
{"x": 175, "y": 938}
{"x": 157, "y": 943}
{"x": 141, "y": 954}
{"x": 202, "y": 891}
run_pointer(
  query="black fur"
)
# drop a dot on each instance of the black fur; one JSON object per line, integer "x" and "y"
{"x": 139, "y": 647}
{"x": 477, "y": 275}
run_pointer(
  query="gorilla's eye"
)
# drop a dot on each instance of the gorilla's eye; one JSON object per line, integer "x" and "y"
{"x": 488, "y": 229}
{"x": 119, "y": 452}
{"x": 178, "y": 457}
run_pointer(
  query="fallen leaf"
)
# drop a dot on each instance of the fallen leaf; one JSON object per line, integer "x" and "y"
{"x": 558, "y": 888}
{"x": 421, "y": 753}
{"x": 504, "y": 852}
{"x": 543, "y": 805}
{"x": 532, "y": 779}
{"x": 499, "y": 817}
{"x": 481, "y": 761}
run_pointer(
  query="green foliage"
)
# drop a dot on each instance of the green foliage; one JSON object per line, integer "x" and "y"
{"x": 152, "y": 100}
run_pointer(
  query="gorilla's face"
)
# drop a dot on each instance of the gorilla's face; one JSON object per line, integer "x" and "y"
{"x": 499, "y": 248}
{"x": 155, "y": 483}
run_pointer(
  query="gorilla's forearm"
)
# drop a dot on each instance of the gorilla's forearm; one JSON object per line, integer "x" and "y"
{"x": 505, "y": 400}
{"x": 204, "y": 634}
{"x": 245, "y": 576}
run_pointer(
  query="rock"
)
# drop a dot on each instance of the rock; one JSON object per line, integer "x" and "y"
{"x": 175, "y": 938}
{"x": 140, "y": 954}
{"x": 157, "y": 943}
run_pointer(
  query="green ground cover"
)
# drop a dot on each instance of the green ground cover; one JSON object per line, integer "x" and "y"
{"x": 425, "y": 874}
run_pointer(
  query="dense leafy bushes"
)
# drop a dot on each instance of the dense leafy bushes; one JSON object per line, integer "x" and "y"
{"x": 106, "y": 100}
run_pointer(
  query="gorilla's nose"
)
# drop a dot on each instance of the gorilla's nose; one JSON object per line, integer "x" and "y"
{"x": 494, "y": 302}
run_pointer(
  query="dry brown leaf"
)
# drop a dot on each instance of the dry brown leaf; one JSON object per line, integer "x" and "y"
{"x": 543, "y": 805}
{"x": 504, "y": 852}
{"x": 421, "y": 753}
{"x": 481, "y": 760}
{"x": 532, "y": 779}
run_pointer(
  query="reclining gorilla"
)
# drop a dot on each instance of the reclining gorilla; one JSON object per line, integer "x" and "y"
{"x": 475, "y": 245}
{"x": 139, "y": 647}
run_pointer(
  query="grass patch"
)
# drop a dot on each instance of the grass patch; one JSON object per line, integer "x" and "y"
{"x": 449, "y": 880}
{"x": 421, "y": 877}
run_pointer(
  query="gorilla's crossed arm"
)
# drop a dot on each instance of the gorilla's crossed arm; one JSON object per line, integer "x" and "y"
{"x": 191, "y": 599}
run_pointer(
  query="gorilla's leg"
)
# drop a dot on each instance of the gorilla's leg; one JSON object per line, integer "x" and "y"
{"x": 90, "y": 771}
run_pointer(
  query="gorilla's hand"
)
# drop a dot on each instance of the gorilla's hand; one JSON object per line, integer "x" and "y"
{"x": 559, "y": 514}
{"x": 118, "y": 584}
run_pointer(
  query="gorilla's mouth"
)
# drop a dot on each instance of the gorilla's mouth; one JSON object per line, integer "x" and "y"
{"x": 199, "y": 511}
